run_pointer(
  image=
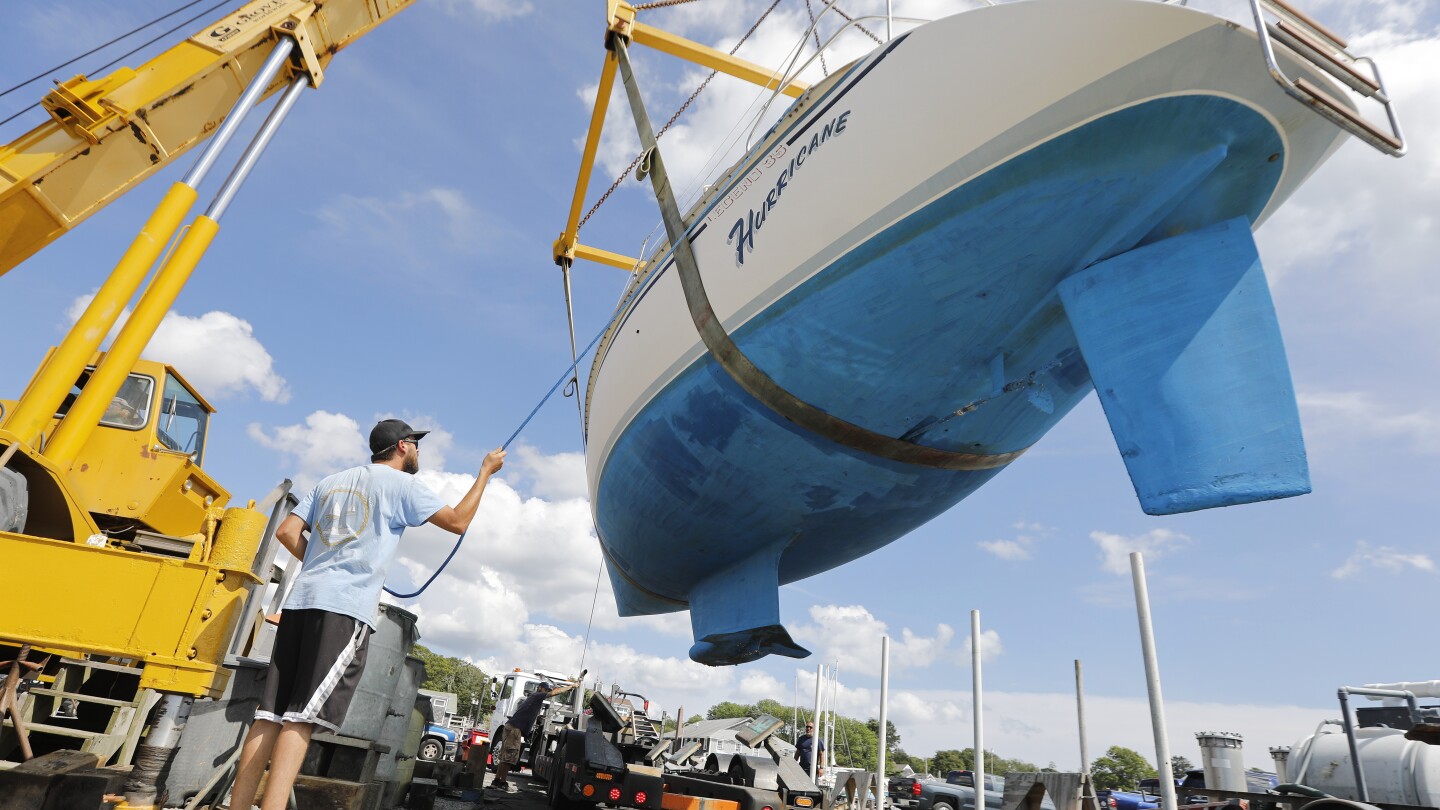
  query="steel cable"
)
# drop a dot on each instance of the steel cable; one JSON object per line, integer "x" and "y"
{"x": 98, "y": 48}
{"x": 147, "y": 43}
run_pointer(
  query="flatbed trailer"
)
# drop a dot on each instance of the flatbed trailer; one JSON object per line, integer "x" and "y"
{"x": 612, "y": 758}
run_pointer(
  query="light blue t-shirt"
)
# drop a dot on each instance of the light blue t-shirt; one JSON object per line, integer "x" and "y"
{"x": 356, "y": 517}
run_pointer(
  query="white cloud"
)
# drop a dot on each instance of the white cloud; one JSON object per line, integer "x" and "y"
{"x": 851, "y": 635}
{"x": 1115, "y": 549}
{"x": 1020, "y": 548}
{"x": 1385, "y": 558}
{"x": 217, "y": 352}
{"x": 1040, "y": 726}
{"x": 990, "y": 646}
{"x": 1007, "y": 549}
{"x": 554, "y": 477}
{"x": 670, "y": 680}
{"x": 327, "y": 442}
{"x": 1370, "y": 217}
{"x": 1361, "y": 417}
{"x": 408, "y": 223}
{"x": 490, "y": 10}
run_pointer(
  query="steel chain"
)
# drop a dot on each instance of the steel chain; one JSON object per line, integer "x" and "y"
{"x": 673, "y": 118}
{"x": 816, "y": 30}
{"x": 866, "y": 31}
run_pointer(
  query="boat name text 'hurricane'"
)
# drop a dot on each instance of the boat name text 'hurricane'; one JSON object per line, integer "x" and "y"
{"x": 742, "y": 233}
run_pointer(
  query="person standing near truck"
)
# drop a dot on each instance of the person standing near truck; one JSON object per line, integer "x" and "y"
{"x": 805, "y": 750}
{"x": 355, "y": 518}
{"x": 517, "y": 728}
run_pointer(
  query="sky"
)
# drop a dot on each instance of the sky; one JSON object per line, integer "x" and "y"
{"x": 390, "y": 256}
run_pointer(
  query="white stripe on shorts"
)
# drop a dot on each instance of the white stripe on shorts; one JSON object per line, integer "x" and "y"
{"x": 311, "y": 712}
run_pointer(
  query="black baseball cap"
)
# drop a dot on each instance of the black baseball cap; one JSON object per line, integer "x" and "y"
{"x": 388, "y": 433}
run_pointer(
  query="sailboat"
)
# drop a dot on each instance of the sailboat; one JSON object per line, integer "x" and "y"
{"x": 933, "y": 256}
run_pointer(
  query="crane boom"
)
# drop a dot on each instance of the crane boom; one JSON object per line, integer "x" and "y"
{"x": 106, "y": 135}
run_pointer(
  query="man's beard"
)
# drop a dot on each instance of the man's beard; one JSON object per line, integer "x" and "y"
{"x": 411, "y": 464}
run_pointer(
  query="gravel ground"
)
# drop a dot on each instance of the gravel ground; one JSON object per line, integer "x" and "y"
{"x": 530, "y": 796}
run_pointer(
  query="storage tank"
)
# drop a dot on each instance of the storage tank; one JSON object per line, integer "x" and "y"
{"x": 1223, "y": 760}
{"x": 1397, "y": 770}
{"x": 1281, "y": 756}
{"x": 395, "y": 731}
{"x": 394, "y": 636}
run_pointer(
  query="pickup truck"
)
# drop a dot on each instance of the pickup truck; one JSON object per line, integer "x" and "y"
{"x": 903, "y": 791}
{"x": 1127, "y": 800}
{"x": 438, "y": 743}
{"x": 957, "y": 792}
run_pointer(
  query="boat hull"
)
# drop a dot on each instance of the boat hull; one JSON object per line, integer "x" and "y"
{"x": 896, "y": 264}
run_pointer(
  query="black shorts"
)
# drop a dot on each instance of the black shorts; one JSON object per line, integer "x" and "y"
{"x": 314, "y": 668}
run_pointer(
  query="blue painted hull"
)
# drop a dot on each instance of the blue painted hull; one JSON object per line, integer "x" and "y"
{"x": 944, "y": 329}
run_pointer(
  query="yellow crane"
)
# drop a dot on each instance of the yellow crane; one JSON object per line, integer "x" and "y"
{"x": 103, "y": 497}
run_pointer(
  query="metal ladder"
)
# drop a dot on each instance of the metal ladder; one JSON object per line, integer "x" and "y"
{"x": 1317, "y": 45}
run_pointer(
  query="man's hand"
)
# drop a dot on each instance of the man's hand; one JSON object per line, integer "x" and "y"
{"x": 494, "y": 460}
{"x": 456, "y": 519}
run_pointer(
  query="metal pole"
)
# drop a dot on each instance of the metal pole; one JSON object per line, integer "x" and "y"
{"x": 1084, "y": 743}
{"x": 834, "y": 692}
{"x": 880, "y": 786}
{"x": 1349, "y": 721}
{"x": 257, "y": 146}
{"x": 889, "y": 21}
{"x": 978, "y": 697}
{"x": 242, "y": 107}
{"x": 815, "y": 738}
{"x": 795, "y": 714}
{"x": 1152, "y": 682}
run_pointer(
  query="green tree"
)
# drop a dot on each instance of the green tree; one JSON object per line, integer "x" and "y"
{"x": 1120, "y": 768}
{"x": 446, "y": 674}
{"x": 728, "y": 711}
{"x": 951, "y": 760}
{"x": 892, "y": 737}
{"x": 1179, "y": 765}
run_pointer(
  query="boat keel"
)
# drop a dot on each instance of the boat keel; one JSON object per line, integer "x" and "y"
{"x": 735, "y": 613}
{"x": 1185, "y": 351}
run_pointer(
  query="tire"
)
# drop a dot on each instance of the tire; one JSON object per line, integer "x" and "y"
{"x": 431, "y": 749}
{"x": 941, "y": 806}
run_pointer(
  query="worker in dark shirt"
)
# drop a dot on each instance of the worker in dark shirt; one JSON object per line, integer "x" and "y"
{"x": 805, "y": 749}
{"x": 517, "y": 728}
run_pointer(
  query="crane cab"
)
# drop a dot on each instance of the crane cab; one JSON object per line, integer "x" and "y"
{"x": 139, "y": 474}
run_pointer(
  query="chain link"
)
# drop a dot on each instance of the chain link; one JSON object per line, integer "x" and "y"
{"x": 866, "y": 31}
{"x": 661, "y": 4}
{"x": 818, "y": 49}
{"x": 677, "y": 113}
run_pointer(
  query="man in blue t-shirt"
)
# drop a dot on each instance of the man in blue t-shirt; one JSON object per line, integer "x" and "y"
{"x": 355, "y": 519}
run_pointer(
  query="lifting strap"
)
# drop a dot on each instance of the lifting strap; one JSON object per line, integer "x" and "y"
{"x": 728, "y": 355}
